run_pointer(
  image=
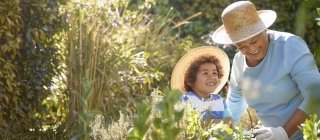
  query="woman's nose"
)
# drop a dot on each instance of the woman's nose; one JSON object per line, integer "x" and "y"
{"x": 251, "y": 48}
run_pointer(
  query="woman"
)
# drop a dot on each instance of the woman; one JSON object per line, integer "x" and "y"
{"x": 273, "y": 73}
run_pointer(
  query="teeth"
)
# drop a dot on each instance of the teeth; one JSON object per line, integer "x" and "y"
{"x": 210, "y": 84}
{"x": 256, "y": 51}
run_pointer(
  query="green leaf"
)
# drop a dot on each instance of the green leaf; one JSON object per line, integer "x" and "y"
{"x": 83, "y": 102}
{"x": 157, "y": 123}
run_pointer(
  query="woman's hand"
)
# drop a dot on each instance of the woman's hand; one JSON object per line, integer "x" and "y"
{"x": 270, "y": 133}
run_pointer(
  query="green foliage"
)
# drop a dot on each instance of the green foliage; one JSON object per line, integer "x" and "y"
{"x": 141, "y": 122}
{"x": 220, "y": 131}
{"x": 208, "y": 21}
{"x": 162, "y": 126}
{"x": 153, "y": 121}
{"x": 239, "y": 131}
{"x": 11, "y": 24}
{"x": 165, "y": 126}
{"x": 317, "y": 51}
{"x": 292, "y": 16}
{"x": 200, "y": 25}
{"x": 318, "y": 19}
{"x": 168, "y": 119}
{"x": 29, "y": 61}
{"x": 128, "y": 52}
{"x": 195, "y": 130}
{"x": 86, "y": 114}
{"x": 311, "y": 128}
{"x": 313, "y": 99}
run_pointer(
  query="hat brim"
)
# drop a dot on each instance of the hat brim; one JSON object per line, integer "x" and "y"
{"x": 178, "y": 74}
{"x": 268, "y": 17}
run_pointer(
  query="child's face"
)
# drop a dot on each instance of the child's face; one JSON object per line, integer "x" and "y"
{"x": 207, "y": 80}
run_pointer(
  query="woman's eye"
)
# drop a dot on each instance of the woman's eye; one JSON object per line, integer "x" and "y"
{"x": 254, "y": 42}
{"x": 241, "y": 48}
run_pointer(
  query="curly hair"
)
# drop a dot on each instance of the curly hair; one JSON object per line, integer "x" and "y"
{"x": 191, "y": 74}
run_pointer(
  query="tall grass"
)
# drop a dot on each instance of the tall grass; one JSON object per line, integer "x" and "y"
{"x": 125, "y": 54}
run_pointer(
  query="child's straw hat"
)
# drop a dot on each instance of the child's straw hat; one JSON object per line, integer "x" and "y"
{"x": 241, "y": 21}
{"x": 180, "y": 69}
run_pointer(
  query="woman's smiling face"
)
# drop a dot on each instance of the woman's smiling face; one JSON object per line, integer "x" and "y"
{"x": 254, "y": 48}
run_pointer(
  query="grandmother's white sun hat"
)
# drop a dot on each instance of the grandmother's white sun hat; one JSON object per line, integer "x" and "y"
{"x": 241, "y": 21}
{"x": 180, "y": 69}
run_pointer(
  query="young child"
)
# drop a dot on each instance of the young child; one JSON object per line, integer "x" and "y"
{"x": 200, "y": 75}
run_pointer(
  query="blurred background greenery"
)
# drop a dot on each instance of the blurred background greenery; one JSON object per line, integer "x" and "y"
{"x": 65, "y": 61}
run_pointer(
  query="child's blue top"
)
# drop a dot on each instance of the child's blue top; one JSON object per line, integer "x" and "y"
{"x": 214, "y": 107}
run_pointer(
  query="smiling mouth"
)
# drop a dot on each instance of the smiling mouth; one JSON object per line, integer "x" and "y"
{"x": 255, "y": 52}
{"x": 211, "y": 84}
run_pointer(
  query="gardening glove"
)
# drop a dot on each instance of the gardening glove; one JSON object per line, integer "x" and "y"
{"x": 271, "y": 133}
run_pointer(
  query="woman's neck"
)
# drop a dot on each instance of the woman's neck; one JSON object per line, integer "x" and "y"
{"x": 253, "y": 63}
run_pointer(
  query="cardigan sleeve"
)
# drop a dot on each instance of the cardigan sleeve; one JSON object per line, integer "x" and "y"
{"x": 304, "y": 70}
{"x": 235, "y": 100}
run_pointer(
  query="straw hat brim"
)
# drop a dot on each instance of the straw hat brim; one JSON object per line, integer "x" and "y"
{"x": 180, "y": 69}
{"x": 268, "y": 17}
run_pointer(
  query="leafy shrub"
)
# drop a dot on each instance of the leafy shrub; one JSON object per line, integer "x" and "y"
{"x": 29, "y": 60}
